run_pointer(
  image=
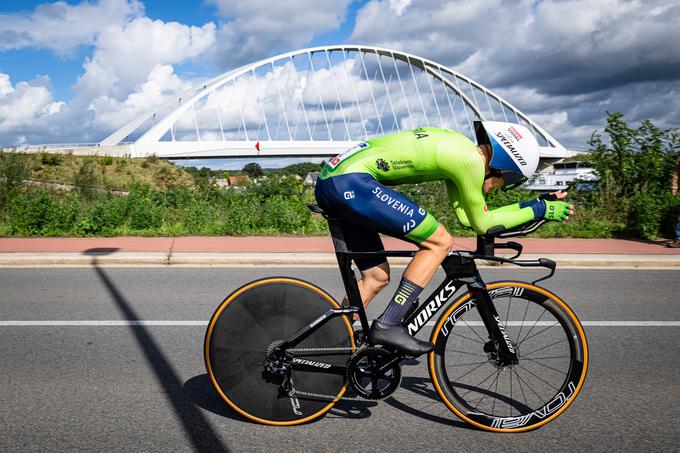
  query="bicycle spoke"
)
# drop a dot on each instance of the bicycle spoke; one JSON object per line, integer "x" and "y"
{"x": 539, "y": 363}
{"x": 519, "y": 381}
{"x": 540, "y": 398}
{"x": 538, "y": 333}
{"x": 527, "y": 354}
{"x": 495, "y": 391}
{"x": 526, "y": 310}
{"x": 507, "y": 315}
{"x": 483, "y": 381}
{"x": 467, "y": 364}
{"x": 473, "y": 330}
{"x": 538, "y": 377}
{"x": 551, "y": 358}
{"x": 479, "y": 366}
{"x": 468, "y": 338}
{"x": 532, "y": 327}
{"x": 468, "y": 353}
{"x": 488, "y": 390}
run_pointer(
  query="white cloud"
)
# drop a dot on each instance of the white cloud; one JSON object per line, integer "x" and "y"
{"x": 130, "y": 69}
{"x": 24, "y": 106}
{"x": 398, "y": 6}
{"x": 255, "y": 28}
{"x": 124, "y": 56}
{"x": 162, "y": 82}
{"x": 565, "y": 62}
{"x": 62, "y": 27}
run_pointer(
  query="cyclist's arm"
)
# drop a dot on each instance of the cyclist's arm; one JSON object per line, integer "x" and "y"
{"x": 465, "y": 170}
{"x": 452, "y": 192}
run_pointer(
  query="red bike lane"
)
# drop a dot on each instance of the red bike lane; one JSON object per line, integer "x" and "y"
{"x": 270, "y": 244}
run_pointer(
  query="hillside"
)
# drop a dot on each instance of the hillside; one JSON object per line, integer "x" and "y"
{"x": 116, "y": 173}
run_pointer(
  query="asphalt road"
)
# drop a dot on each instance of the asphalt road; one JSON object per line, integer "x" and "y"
{"x": 144, "y": 388}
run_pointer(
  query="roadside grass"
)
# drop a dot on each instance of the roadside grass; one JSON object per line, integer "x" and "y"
{"x": 111, "y": 173}
{"x": 109, "y": 196}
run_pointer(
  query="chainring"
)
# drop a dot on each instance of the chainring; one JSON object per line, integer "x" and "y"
{"x": 373, "y": 373}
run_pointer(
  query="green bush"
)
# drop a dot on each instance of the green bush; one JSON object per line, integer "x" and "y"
{"x": 39, "y": 214}
{"x": 50, "y": 159}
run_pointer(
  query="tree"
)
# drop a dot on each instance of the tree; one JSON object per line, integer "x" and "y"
{"x": 301, "y": 168}
{"x": 87, "y": 179}
{"x": 253, "y": 169}
{"x": 13, "y": 170}
{"x": 635, "y": 167}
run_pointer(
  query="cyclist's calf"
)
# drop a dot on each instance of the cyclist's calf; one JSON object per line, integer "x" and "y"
{"x": 377, "y": 278}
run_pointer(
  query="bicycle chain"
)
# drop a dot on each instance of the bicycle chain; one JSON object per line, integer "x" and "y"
{"x": 294, "y": 392}
{"x": 326, "y": 397}
{"x": 330, "y": 350}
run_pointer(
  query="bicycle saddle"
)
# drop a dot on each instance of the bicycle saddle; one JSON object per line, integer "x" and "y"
{"x": 315, "y": 208}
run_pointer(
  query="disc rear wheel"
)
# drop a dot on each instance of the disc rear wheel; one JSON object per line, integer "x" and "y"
{"x": 250, "y": 321}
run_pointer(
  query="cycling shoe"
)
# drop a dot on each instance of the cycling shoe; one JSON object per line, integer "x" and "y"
{"x": 398, "y": 337}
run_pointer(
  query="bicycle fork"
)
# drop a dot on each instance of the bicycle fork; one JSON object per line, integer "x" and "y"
{"x": 499, "y": 341}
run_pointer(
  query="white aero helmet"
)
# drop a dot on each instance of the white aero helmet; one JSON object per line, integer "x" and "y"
{"x": 515, "y": 150}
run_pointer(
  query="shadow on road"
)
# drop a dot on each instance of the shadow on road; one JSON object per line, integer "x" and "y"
{"x": 353, "y": 409}
{"x": 420, "y": 387}
{"x": 195, "y": 425}
{"x": 201, "y": 392}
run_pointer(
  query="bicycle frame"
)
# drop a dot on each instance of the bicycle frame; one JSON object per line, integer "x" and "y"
{"x": 461, "y": 270}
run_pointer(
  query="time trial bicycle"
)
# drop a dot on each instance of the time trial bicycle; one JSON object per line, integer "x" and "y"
{"x": 509, "y": 356}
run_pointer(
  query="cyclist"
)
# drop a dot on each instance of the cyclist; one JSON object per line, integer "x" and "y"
{"x": 354, "y": 187}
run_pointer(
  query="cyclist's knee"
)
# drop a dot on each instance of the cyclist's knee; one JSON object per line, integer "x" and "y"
{"x": 440, "y": 242}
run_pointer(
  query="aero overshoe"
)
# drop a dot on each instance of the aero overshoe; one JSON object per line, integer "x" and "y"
{"x": 398, "y": 337}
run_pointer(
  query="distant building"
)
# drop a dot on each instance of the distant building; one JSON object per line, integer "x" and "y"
{"x": 311, "y": 178}
{"x": 576, "y": 174}
{"x": 222, "y": 183}
{"x": 239, "y": 180}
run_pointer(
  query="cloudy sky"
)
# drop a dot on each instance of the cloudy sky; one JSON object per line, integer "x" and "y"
{"x": 74, "y": 71}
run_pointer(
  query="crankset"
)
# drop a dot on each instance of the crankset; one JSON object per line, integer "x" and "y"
{"x": 374, "y": 373}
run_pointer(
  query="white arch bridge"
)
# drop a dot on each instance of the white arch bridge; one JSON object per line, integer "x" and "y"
{"x": 316, "y": 102}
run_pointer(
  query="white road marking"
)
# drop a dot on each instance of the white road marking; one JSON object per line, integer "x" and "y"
{"x": 89, "y": 323}
{"x": 101, "y": 323}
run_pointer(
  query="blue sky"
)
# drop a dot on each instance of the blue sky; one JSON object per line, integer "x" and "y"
{"x": 27, "y": 63}
{"x": 74, "y": 71}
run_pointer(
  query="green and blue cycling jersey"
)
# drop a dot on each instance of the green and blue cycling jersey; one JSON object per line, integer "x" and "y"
{"x": 355, "y": 183}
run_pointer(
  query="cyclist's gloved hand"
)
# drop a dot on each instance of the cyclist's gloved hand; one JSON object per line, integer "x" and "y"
{"x": 557, "y": 210}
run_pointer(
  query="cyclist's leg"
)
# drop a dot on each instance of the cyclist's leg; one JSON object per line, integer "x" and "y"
{"x": 417, "y": 275}
{"x": 341, "y": 196}
{"x": 375, "y": 272}
{"x": 431, "y": 253}
{"x": 362, "y": 198}
{"x": 372, "y": 281}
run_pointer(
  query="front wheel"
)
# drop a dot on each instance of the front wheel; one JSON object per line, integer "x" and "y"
{"x": 552, "y": 359}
